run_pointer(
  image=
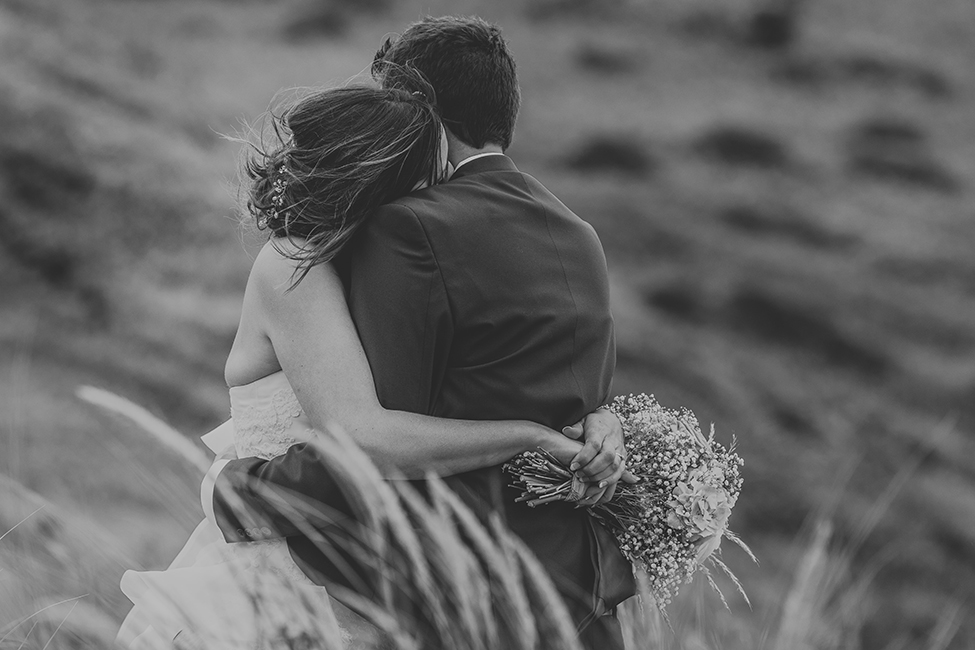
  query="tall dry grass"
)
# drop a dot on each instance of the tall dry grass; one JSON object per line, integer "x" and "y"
{"x": 445, "y": 580}
{"x": 52, "y": 594}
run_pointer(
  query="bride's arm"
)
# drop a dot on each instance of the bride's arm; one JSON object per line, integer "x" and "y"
{"x": 316, "y": 343}
{"x": 318, "y": 348}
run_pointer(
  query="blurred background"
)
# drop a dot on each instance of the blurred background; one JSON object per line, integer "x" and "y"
{"x": 784, "y": 190}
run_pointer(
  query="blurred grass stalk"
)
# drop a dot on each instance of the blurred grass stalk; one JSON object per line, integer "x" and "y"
{"x": 45, "y": 556}
{"x": 827, "y": 606}
{"x": 162, "y": 432}
{"x": 467, "y": 586}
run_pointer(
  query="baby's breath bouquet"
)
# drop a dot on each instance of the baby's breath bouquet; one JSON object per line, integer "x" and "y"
{"x": 672, "y": 521}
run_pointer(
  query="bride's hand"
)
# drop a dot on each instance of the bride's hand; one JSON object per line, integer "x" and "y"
{"x": 562, "y": 448}
{"x": 602, "y": 460}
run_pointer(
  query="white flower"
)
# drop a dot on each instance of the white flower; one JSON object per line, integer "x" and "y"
{"x": 673, "y": 520}
{"x": 700, "y": 508}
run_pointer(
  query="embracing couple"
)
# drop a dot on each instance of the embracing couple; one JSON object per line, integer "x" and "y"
{"x": 440, "y": 306}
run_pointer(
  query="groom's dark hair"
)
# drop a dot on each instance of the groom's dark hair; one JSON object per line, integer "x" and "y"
{"x": 471, "y": 70}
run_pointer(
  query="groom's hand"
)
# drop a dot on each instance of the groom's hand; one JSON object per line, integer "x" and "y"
{"x": 601, "y": 462}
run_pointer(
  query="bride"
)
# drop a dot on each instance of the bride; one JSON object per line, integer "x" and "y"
{"x": 297, "y": 365}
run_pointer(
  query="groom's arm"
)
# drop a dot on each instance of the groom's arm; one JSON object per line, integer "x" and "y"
{"x": 251, "y": 499}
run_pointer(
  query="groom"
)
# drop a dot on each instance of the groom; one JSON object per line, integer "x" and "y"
{"x": 484, "y": 298}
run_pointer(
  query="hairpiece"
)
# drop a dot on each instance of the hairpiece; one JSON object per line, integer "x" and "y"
{"x": 377, "y": 60}
{"x": 279, "y": 185}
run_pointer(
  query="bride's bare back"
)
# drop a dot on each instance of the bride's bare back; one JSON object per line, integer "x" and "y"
{"x": 267, "y": 298}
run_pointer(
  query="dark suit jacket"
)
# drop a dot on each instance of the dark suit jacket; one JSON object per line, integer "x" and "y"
{"x": 482, "y": 298}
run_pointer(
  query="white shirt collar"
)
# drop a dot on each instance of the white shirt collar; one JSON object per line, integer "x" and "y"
{"x": 474, "y": 157}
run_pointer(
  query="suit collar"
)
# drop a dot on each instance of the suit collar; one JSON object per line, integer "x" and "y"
{"x": 485, "y": 164}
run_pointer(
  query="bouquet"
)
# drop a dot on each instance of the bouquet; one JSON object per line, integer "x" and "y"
{"x": 672, "y": 521}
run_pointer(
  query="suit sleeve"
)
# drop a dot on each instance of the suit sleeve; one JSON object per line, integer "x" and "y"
{"x": 293, "y": 494}
{"x": 398, "y": 302}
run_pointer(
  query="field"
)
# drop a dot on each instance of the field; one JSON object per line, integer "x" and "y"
{"x": 784, "y": 190}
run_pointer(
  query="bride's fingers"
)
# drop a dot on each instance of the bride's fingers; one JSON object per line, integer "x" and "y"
{"x": 611, "y": 474}
{"x": 574, "y": 431}
{"x": 591, "y": 496}
{"x": 597, "y": 429}
{"x": 601, "y": 468}
{"x": 590, "y": 451}
{"x": 584, "y": 493}
{"x": 608, "y": 494}
{"x": 605, "y": 464}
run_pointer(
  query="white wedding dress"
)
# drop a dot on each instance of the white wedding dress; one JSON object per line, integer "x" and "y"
{"x": 247, "y": 595}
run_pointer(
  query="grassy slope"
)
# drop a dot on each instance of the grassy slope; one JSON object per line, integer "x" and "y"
{"x": 820, "y": 313}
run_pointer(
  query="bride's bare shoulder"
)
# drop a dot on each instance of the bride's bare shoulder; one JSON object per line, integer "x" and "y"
{"x": 275, "y": 270}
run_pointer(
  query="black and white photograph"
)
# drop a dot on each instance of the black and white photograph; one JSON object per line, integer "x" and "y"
{"x": 487, "y": 325}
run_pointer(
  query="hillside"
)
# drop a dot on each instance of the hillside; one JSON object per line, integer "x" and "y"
{"x": 784, "y": 190}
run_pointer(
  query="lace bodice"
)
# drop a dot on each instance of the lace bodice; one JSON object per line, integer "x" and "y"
{"x": 267, "y": 420}
{"x": 215, "y": 584}
{"x": 267, "y": 417}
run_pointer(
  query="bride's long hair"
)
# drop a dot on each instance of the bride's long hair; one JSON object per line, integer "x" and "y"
{"x": 335, "y": 156}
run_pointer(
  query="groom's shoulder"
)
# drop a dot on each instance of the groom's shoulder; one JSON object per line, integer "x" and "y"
{"x": 460, "y": 203}
{"x": 446, "y": 206}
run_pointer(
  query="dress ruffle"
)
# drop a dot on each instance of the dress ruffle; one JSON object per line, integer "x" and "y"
{"x": 248, "y": 595}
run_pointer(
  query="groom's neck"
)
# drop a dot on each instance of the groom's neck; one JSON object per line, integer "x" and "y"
{"x": 458, "y": 151}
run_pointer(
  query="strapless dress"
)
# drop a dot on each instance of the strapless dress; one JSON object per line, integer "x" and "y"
{"x": 247, "y": 595}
